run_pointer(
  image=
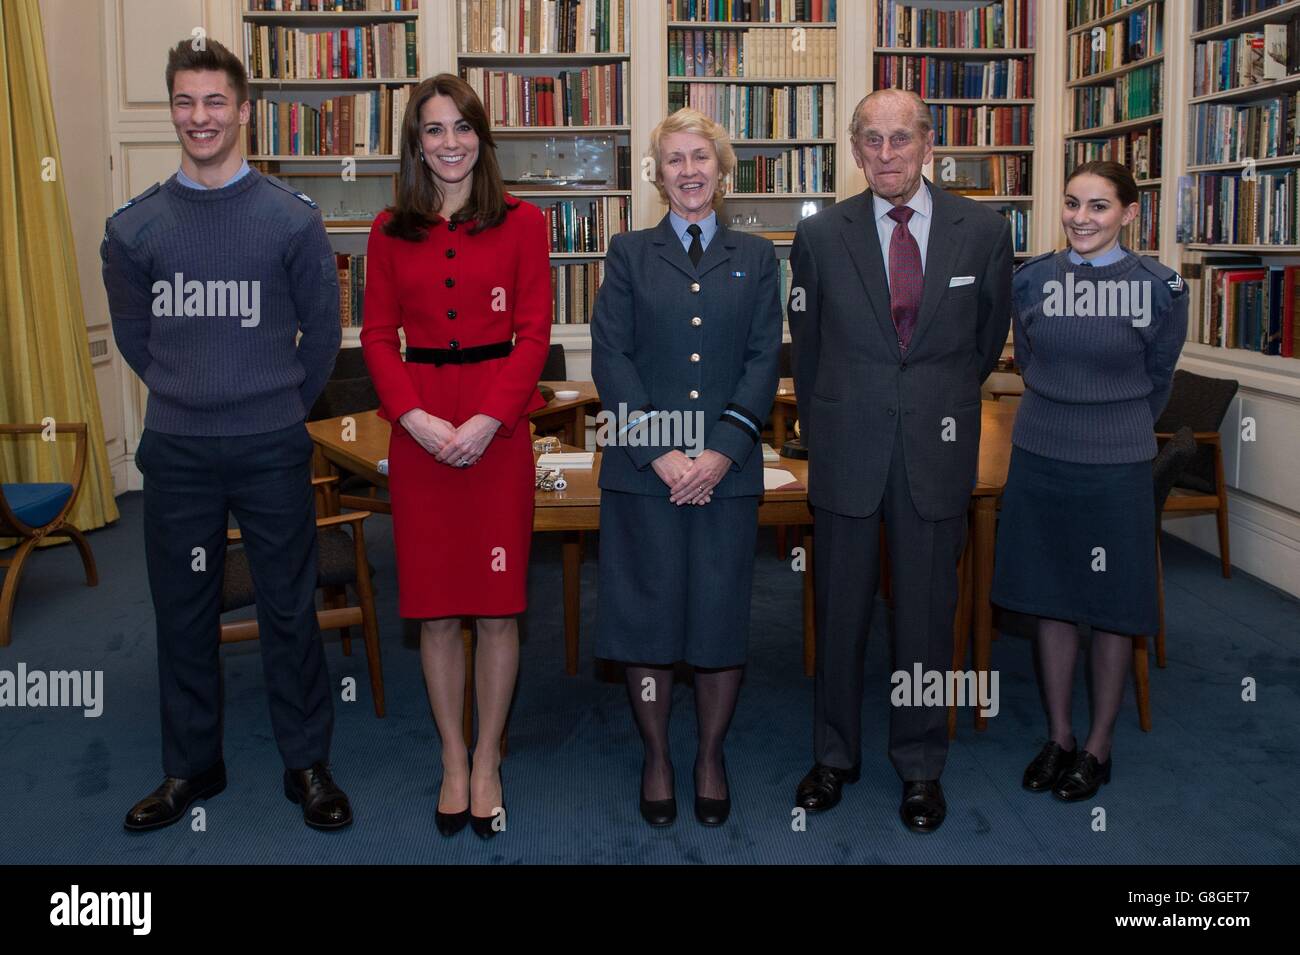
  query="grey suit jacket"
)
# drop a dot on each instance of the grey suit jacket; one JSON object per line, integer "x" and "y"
{"x": 688, "y": 341}
{"x": 854, "y": 386}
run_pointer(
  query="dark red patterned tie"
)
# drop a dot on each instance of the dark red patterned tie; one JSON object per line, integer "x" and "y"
{"x": 906, "y": 280}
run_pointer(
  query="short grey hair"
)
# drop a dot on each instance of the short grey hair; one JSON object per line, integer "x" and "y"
{"x": 922, "y": 111}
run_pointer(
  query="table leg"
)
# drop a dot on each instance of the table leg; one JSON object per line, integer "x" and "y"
{"x": 577, "y": 427}
{"x": 778, "y": 427}
{"x": 809, "y": 608}
{"x": 984, "y": 535}
{"x": 572, "y": 599}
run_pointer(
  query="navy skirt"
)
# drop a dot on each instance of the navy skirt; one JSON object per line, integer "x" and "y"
{"x": 1077, "y": 542}
{"x": 674, "y": 582}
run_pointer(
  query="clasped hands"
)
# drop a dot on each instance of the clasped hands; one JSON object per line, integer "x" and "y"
{"x": 691, "y": 481}
{"x": 450, "y": 445}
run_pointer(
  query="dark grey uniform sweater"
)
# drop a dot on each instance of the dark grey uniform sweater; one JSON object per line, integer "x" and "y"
{"x": 250, "y": 266}
{"x": 1095, "y": 383}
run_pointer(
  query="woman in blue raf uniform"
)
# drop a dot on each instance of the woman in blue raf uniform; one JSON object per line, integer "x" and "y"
{"x": 685, "y": 340}
{"x": 1098, "y": 331}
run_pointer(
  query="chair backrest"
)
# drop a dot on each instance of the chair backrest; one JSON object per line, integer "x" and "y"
{"x": 1199, "y": 403}
{"x": 344, "y": 396}
{"x": 350, "y": 364}
{"x": 785, "y": 368}
{"x": 1176, "y": 454}
{"x": 555, "y": 368}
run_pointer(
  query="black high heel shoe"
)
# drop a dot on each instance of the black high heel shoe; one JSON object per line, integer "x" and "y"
{"x": 450, "y": 823}
{"x": 714, "y": 812}
{"x": 657, "y": 812}
{"x": 485, "y": 826}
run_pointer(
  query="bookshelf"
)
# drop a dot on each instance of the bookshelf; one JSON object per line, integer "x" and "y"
{"x": 1115, "y": 100}
{"x": 978, "y": 72}
{"x": 329, "y": 88}
{"x": 555, "y": 78}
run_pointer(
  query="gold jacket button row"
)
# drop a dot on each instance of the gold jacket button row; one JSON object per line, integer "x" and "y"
{"x": 697, "y": 321}
{"x": 694, "y": 395}
{"x": 695, "y": 286}
{"x": 695, "y": 356}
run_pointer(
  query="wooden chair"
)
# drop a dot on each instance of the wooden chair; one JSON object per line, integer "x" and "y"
{"x": 1200, "y": 403}
{"x": 32, "y": 512}
{"x": 350, "y": 390}
{"x": 342, "y": 561}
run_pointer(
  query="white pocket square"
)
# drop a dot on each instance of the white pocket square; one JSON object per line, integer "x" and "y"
{"x": 961, "y": 280}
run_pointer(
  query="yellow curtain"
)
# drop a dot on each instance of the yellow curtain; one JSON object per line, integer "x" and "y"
{"x": 45, "y": 369}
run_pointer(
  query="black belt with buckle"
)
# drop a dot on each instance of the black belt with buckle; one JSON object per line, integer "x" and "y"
{"x": 458, "y": 356}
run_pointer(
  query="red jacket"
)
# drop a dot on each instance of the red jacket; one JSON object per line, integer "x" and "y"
{"x": 457, "y": 290}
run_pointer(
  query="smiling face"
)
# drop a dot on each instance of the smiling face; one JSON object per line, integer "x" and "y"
{"x": 688, "y": 169}
{"x": 1093, "y": 215}
{"x": 890, "y": 147}
{"x": 448, "y": 141}
{"x": 206, "y": 117}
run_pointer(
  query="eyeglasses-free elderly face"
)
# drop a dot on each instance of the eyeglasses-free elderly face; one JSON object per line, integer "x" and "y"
{"x": 890, "y": 148}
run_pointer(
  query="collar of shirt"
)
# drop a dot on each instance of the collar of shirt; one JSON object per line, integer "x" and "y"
{"x": 921, "y": 203}
{"x": 708, "y": 226}
{"x": 1100, "y": 261}
{"x": 189, "y": 183}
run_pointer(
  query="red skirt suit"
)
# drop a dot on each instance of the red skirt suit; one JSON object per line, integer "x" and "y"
{"x": 462, "y": 534}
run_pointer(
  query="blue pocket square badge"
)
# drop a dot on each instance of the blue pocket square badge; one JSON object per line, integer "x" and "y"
{"x": 737, "y": 275}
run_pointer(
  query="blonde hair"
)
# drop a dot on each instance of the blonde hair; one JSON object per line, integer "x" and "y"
{"x": 687, "y": 120}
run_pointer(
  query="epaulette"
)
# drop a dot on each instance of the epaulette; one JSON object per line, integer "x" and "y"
{"x": 138, "y": 199}
{"x": 1037, "y": 258}
{"x": 292, "y": 191}
{"x": 1163, "y": 272}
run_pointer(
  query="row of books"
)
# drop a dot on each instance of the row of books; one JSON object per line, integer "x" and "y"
{"x": 1133, "y": 96}
{"x": 761, "y": 112}
{"x": 591, "y": 96}
{"x": 1213, "y": 13}
{"x": 334, "y": 6}
{"x": 1240, "y": 211}
{"x": 1223, "y": 132}
{"x": 573, "y": 291}
{"x": 358, "y": 124}
{"x": 1143, "y": 233}
{"x": 585, "y": 225}
{"x": 983, "y": 125}
{"x": 759, "y": 53}
{"x": 1004, "y": 174}
{"x": 1244, "y": 60}
{"x": 374, "y": 51}
{"x": 1021, "y": 221}
{"x": 352, "y": 288}
{"x": 1139, "y": 149}
{"x": 930, "y": 76}
{"x": 1138, "y": 36}
{"x": 1079, "y": 12}
{"x": 753, "y": 11}
{"x": 792, "y": 171}
{"x": 542, "y": 26}
{"x": 1003, "y": 24}
{"x": 1247, "y": 305}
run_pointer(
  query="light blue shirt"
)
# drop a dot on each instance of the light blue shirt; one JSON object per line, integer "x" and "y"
{"x": 707, "y": 226}
{"x": 1100, "y": 261}
{"x": 189, "y": 183}
{"x": 918, "y": 225}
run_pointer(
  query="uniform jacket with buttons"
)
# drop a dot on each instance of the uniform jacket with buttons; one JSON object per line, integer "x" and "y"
{"x": 669, "y": 336}
{"x": 457, "y": 290}
{"x": 854, "y": 383}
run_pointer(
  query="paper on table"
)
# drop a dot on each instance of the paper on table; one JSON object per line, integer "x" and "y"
{"x": 567, "y": 459}
{"x": 774, "y": 478}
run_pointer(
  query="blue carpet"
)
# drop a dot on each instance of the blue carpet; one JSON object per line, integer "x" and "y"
{"x": 1213, "y": 783}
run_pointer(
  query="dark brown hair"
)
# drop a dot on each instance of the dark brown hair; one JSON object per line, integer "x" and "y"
{"x": 418, "y": 195}
{"x": 214, "y": 56}
{"x": 1119, "y": 176}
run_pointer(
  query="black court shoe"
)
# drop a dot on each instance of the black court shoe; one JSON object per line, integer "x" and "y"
{"x": 168, "y": 803}
{"x": 1047, "y": 768}
{"x": 657, "y": 812}
{"x": 713, "y": 812}
{"x": 450, "y": 823}
{"x": 1083, "y": 778}
{"x": 485, "y": 826}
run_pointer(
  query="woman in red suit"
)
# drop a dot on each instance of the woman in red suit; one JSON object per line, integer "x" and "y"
{"x": 464, "y": 269}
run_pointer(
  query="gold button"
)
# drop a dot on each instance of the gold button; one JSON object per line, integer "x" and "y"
{"x": 697, "y": 321}
{"x": 695, "y": 356}
{"x": 694, "y": 395}
{"x": 695, "y": 286}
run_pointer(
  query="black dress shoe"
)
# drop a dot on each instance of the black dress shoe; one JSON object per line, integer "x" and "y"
{"x": 1083, "y": 778}
{"x": 167, "y": 804}
{"x": 821, "y": 788}
{"x": 324, "y": 805}
{"x": 1048, "y": 767}
{"x": 713, "y": 812}
{"x": 923, "y": 807}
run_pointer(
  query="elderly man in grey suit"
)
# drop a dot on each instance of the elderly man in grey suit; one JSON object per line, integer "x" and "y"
{"x": 899, "y": 307}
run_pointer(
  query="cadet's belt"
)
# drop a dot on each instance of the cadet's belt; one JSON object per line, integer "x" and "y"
{"x": 458, "y": 356}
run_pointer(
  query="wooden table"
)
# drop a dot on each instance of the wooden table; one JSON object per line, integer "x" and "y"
{"x": 571, "y": 414}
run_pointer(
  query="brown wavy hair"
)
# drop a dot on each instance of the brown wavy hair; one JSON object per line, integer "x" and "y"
{"x": 418, "y": 195}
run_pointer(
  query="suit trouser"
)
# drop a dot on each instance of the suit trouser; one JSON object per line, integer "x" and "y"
{"x": 923, "y": 560}
{"x": 191, "y": 485}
